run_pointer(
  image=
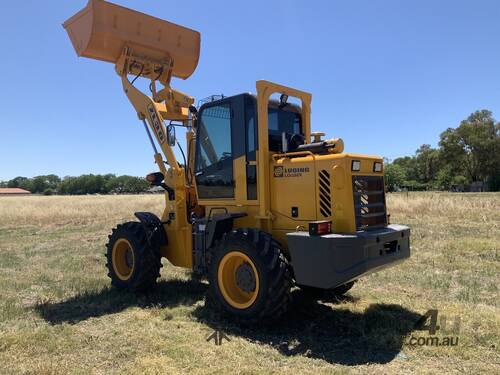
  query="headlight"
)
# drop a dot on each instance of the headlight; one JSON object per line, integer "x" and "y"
{"x": 356, "y": 165}
{"x": 377, "y": 167}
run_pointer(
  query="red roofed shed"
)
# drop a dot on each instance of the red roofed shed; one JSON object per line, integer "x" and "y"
{"x": 14, "y": 191}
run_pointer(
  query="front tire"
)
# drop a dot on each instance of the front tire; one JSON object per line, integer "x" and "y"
{"x": 249, "y": 276}
{"x": 132, "y": 263}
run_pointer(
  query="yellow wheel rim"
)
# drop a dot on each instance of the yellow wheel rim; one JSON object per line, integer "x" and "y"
{"x": 123, "y": 259}
{"x": 229, "y": 276}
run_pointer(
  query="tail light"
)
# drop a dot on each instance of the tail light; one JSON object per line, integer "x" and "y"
{"x": 319, "y": 228}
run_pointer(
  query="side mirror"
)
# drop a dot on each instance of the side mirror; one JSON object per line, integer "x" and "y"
{"x": 171, "y": 135}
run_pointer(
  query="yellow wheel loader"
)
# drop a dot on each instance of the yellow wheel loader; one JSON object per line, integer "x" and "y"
{"x": 261, "y": 203}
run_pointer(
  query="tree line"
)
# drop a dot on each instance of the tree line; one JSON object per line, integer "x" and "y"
{"x": 467, "y": 154}
{"x": 78, "y": 185}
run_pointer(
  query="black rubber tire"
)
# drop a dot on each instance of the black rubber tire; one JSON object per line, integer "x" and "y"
{"x": 147, "y": 262}
{"x": 319, "y": 294}
{"x": 273, "y": 298}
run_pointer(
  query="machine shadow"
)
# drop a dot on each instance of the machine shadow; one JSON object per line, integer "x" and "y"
{"x": 336, "y": 335}
{"x": 167, "y": 293}
{"x": 313, "y": 329}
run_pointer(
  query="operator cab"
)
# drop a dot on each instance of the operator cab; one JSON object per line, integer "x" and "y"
{"x": 228, "y": 137}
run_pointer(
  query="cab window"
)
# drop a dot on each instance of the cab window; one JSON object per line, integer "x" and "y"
{"x": 282, "y": 120}
{"x": 214, "y": 155}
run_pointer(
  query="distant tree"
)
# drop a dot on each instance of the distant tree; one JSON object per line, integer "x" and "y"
{"x": 414, "y": 185}
{"x": 115, "y": 185}
{"x": 53, "y": 181}
{"x": 395, "y": 176}
{"x": 459, "y": 180}
{"x": 473, "y": 147}
{"x": 48, "y": 191}
{"x": 69, "y": 186}
{"x": 90, "y": 184}
{"x": 20, "y": 182}
{"x": 409, "y": 165}
{"x": 40, "y": 183}
{"x": 127, "y": 184}
{"x": 136, "y": 185}
{"x": 107, "y": 178}
{"x": 102, "y": 184}
{"x": 444, "y": 178}
{"x": 427, "y": 163}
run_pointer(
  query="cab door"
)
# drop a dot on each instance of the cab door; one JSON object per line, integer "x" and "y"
{"x": 214, "y": 172}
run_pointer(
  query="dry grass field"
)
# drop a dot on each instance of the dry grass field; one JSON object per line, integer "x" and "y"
{"x": 58, "y": 314}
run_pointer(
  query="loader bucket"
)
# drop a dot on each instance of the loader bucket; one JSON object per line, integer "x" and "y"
{"x": 101, "y": 30}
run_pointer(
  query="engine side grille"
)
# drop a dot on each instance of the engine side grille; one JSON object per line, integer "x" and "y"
{"x": 325, "y": 195}
{"x": 369, "y": 202}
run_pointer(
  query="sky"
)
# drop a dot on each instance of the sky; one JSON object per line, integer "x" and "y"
{"x": 386, "y": 76}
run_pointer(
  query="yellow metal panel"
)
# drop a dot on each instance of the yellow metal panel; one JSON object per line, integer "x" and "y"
{"x": 240, "y": 179}
{"x": 179, "y": 248}
{"x": 343, "y": 206}
{"x": 263, "y": 94}
{"x": 264, "y": 91}
{"x": 304, "y": 191}
{"x": 293, "y": 185}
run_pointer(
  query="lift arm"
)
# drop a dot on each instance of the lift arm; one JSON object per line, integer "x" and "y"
{"x": 167, "y": 104}
{"x": 155, "y": 49}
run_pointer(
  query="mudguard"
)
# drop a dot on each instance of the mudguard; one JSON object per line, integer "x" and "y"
{"x": 156, "y": 235}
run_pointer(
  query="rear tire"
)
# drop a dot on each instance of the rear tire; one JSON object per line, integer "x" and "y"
{"x": 249, "y": 276}
{"x": 132, "y": 263}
